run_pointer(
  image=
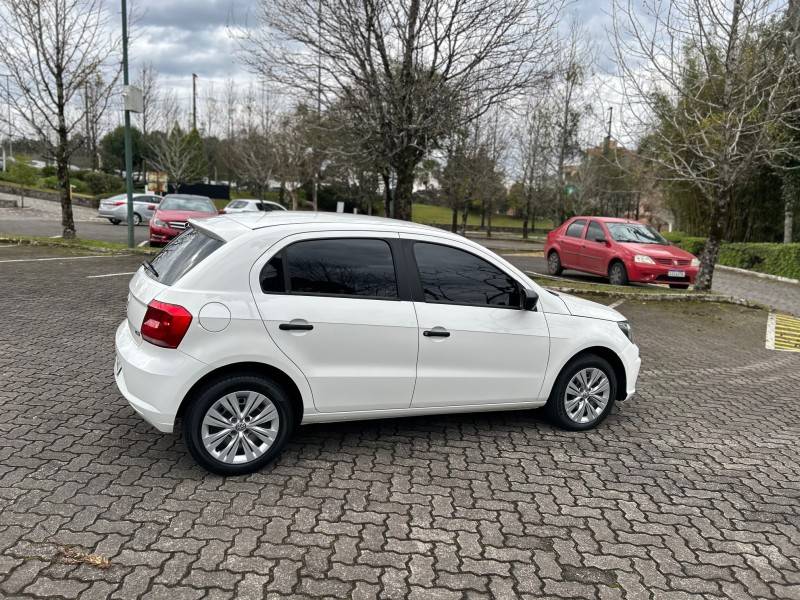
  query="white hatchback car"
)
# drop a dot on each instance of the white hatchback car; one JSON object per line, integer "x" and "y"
{"x": 247, "y": 325}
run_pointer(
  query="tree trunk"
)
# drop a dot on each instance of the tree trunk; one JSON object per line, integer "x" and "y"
{"x": 526, "y": 219}
{"x": 454, "y": 222}
{"x": 464, "y": 217}
{"x": 314, "y": 185}
{"x": 789, "y": 192}
{"x": 282, "y": 192}
{"x": 708, "y": 258}
{"x": 483, "y": 214}
{"x": 387, "y": 195}
{"x": 65, "y": 193}
{"x": 404, "y": 193}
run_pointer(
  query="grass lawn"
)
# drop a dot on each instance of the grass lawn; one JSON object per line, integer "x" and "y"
{"x": 429, "y": 214}
{"x": 441, "y": 215}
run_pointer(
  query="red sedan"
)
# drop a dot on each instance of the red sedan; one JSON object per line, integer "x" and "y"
{"x": 620, "y": 249}
{"x": 173, "y": 213}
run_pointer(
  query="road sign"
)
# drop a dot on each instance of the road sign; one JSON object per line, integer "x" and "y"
{"x": 134, "y": 99}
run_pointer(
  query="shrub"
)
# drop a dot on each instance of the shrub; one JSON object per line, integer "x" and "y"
{"x": 50, "y": 182}
{"x": 689, "y": 243}
{"x": 776, "y": 259}
{"x": 23, "y": 173}
{"x": 102, "y": 183}
{"x": 48, "y": 171}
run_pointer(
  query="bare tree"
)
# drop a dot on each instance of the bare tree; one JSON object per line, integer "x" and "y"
{"x": 291, "y": 156}
{"x": 147, "y": 81}
{"x": 411, "y": 71}
{"x": 573, "y": 67}
{"x": 96, "y": 101}
{"x": 254, "y": 152}
{"x": 171, "y": 110}
{"x": 707, "y": 85}
{"x": 231, "y": 103}
{"x": 179, "y": 155}
{"x": 52, "y": 50}
{"x": 535, "y": 143}
{"x": 211, "y": 108}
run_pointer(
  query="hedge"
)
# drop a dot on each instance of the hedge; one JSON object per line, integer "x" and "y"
{"x": 775, "y": 259}
{"x": 689, "y": 243}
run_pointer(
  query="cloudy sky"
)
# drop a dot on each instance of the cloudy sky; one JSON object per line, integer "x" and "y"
{"x": 184, "y": 36}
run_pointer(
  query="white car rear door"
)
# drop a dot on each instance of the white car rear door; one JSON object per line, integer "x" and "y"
{"x": 332, "y": 302}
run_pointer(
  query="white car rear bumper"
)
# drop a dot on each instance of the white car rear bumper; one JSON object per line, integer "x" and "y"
{"x": 151, "y": 378}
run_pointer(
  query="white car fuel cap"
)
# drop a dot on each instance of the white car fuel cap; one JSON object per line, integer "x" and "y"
{"x": 214, "y": 316}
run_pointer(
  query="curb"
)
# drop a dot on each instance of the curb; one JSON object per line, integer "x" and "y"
{"x": 652, "y": 297}
{"x": 761, "y": 275}
{"x": 660, "y": 297}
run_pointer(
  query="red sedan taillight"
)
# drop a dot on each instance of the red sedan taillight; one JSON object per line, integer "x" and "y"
{"x": 165, "y": 324}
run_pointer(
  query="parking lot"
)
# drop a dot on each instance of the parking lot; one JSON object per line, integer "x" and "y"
{"x": 690, "y": 490}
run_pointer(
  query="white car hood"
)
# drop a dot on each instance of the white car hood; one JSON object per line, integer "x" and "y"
{"x": 592, "y": 310}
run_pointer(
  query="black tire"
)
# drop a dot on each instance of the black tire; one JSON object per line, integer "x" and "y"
{"x": 114, "y": 221}
{"x": 554, "y": 263}
{"x": 137, "y": 219}
{"x": 617, "y": 274}
{"x": 556, "y": 408}
{"x": 206, "y": 398}
{"x": 679, "y": 286}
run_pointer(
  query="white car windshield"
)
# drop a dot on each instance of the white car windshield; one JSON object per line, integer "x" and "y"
{"x": 635, "y": 233}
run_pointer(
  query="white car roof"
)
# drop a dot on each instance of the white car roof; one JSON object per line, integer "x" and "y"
{"x": 232, "y": 225}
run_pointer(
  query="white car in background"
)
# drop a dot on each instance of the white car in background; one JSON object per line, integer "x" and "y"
{"x": 115, "y": 209}
{"x": 248, "y": 325}
{"x": 251, "y": 205}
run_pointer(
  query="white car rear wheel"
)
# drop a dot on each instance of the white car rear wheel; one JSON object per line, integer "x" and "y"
{"x": 238, "y": 424}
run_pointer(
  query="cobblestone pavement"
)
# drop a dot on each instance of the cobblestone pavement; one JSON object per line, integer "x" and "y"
{"x": 690, "y": 490}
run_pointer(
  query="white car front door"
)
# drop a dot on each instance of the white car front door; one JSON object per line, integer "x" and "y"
{"x": 477, "y": 346}
{"x": 333, "y": 304}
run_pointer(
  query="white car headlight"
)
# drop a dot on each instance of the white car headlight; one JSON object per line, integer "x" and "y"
{"x": 625, "y": 327}
{"x": 641, "y": 258}
{"x": 695, "y": 262}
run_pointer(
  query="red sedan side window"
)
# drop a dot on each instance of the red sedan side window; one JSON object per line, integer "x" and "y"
{"x": 575, "y": 228}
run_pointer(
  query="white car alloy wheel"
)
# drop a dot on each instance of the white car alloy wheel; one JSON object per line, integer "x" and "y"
{"x": 240, "y": 427}
{"x": 587, "y": 395}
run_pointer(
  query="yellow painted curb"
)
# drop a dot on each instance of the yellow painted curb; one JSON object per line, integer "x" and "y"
{"x": 783, "y": 333}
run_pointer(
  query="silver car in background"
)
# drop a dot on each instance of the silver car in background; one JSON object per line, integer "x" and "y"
{"x": 250, "y": 205}
{"x": 115, "y": 209}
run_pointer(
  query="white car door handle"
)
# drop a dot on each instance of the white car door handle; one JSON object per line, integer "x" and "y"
{"x": 295, "y": 327}
{"x": 436, "y": 333}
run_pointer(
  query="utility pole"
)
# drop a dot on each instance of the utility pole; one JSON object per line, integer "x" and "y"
{"x": 315, "y": 153}
{"x": 194, "y": 101}
{"x": 128, "y": 142}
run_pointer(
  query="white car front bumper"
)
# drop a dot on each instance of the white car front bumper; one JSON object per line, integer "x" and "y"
{"x": 153, "y": 380}
{"x": 632, "y": 363}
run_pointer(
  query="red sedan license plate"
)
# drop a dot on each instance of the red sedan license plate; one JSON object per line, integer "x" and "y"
{"x": 677, "y": 274}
